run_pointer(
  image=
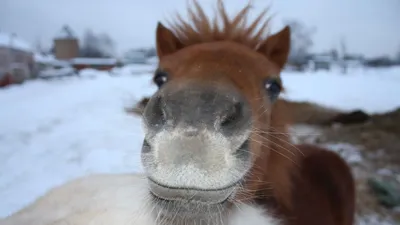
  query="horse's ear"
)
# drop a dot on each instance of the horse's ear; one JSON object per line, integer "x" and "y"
{"x": 276, "y": 48}
{"x": 166, "y": 42}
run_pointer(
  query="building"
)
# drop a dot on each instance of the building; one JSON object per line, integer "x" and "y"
{"x": 66, "y": 44}
{"x": 67, "y": 49}
{"x": 16, "y": 59}
{"x": 105, "y": 64}
{"x": 134, "y": 57}
{"x": 323, "y": 61}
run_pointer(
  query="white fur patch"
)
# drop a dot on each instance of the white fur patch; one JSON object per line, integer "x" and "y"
{"x": 251, "y": 215}
{"x": 106, "y": 200}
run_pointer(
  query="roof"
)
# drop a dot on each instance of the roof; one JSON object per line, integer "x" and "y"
{"x": 94, "y": 61}
{"x": 42, "y": 58}
{"x": 49, "y": 60}
{"x": 13, "y": 41}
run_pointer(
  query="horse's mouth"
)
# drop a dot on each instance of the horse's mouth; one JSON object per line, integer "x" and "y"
{"x": 160, "y": 200}
{"x": 191, "y": 201}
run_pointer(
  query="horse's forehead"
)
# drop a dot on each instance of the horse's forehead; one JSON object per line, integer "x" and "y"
{"x": 218, "y": 59}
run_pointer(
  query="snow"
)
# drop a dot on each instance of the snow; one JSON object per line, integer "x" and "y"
{"x": 42, "y": 58}
{"x": 13, "y": 41}
{"x": 54, "y": 131}
{"x": 94, "y": 61}
{"x": 61, "y": 72}
{"x": 349, "y": 152}
{"x": 372, "y": 90}
{"x": 373, "y": 219}
{"x": 304, "y": 133}
{"x": 49, "y": 60}
{"x": 134, "y": 69}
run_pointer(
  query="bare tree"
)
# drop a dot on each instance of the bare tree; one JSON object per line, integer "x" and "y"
{"x": 106, "y": 45}
{"x": 301, "y": 41}
{"x": 90, "y": 45}
{"x": 97, "y": 46}
{"x": 398, "y": 56}
{"x": 38, "y": 47}
{"x": 334, "y": 54}
{"x": 66, "y": 32}
{"x": 343, "y": 53}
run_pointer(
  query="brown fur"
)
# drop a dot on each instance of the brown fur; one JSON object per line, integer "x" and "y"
{"x": 202, "y": 30}
{"x": 303, "y": 184}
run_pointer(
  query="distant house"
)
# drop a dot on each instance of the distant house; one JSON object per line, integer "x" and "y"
{"x": 16, "y": 59}
{"x": 321, "y": 61}
{"x": 105, "y": 64}
{"x": 379, "y": 62}
{"x": 134, "y": 57}
{"x": 297, "y": 63}
{"x": 66, "y": 44}
{"x": 67, "y": 50}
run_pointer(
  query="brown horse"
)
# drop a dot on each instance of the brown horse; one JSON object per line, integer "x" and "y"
{"x": 216, "y": 134}
{"x": 216, "y": 146}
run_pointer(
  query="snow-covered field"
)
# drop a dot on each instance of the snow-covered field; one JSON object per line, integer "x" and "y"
{"x": 54, "y": 131}
{"x": 373, "y": 90}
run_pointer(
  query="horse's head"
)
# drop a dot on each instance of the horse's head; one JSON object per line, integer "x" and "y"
{"x": 217, "y": 86}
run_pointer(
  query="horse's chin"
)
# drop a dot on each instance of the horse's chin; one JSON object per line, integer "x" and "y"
{"x": 188, "y": 208}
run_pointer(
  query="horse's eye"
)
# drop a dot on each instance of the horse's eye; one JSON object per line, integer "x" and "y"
{"x": 273, "y": 87}
{"x": 160, "y": 78}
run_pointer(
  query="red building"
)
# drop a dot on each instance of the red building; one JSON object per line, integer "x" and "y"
{"x": 105, "y": 64}
{"x": 16, "y": 59}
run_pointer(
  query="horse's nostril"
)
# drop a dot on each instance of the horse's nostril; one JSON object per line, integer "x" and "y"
{"x": 157, "y": 112}
{"x": 233, "y": 115}
{"x": 146, "y": 146}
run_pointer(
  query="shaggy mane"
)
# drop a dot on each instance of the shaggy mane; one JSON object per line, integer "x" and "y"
{"x": 200, "y": 29}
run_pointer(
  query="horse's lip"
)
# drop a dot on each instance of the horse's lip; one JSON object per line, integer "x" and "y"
{"x": 195, "y": 188}
{"x": 192, "y": 195}
{"x": 158, "y": 198}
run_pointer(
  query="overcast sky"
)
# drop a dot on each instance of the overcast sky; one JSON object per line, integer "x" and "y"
{"x": 371, "y": 27}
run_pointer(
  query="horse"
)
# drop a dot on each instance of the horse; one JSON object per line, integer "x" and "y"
{"x": 216, "y": 147}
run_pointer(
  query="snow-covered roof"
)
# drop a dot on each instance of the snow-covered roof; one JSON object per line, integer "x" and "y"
{"x": 13, "y": 41}
{"x": 94, "y": 61}
{"x": 41, "y": 58}
{"x": 134, "y": 54}
{"x": 65, "y": 33}
{"x": 49, "y": 59}
{"x": 65, "y": 71}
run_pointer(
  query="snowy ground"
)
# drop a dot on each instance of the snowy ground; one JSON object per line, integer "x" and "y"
{"x": 54, "y": 131}
{"x": 373, "y": 90}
